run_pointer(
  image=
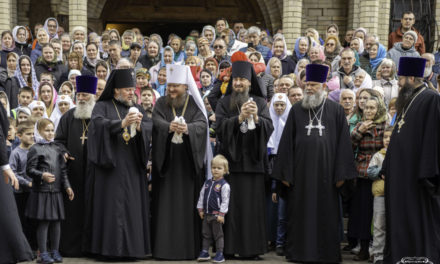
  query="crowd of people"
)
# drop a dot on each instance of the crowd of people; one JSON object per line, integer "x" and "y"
{"x": 131, "y": 146}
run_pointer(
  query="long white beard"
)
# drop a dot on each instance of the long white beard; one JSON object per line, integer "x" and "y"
{"x": 84, "y": 111}
{"x": 427, "y": 72}
{"x": 313, "y": 101}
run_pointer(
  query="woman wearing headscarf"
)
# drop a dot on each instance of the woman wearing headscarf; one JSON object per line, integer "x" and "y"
{"x": 20, "y": 35}
{"x": 8, "y": 45}
{"x": 209, "y": 33}
{"x": 24, "y": 76}
{"x": 376, "y": 53}
{"x": 176, "y": 43}
{"x": 332, "y": 48}
{"x": 79, "y": 33}
{"x": 153, "y": 55}
{"x": 405, "y": 48}
{"x": 128, "y": 37}
{"x": 279, "y": 50}
{"x": 51, "y": 27}
{"x": 301, "y": 48}
{"x": 167, "y": 58}
{"x": 64, "y": 103}
{"x": 114, "y": 35}
{"x": 42, "y": 39}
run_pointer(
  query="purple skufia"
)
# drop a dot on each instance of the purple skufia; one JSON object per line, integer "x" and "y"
{"x": 411, "y": 66}
{"x": 316, "y": 73}
{"x": 86, "y": 84}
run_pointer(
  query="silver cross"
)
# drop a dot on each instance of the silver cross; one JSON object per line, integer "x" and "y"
{"x": 309, "y": 127}
{"x": 320, "y": 127}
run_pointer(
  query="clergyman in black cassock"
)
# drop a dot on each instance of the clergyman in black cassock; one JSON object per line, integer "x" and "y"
{"x": 411, "y": 169}
{"x": 118, "y": 202}
{"x": 71, "y": 136}
{"x": 314, "y": 157}
{"x": 178, "y": 168}
{"x": 245, "y": 149}
{"x": 13, "y": 244}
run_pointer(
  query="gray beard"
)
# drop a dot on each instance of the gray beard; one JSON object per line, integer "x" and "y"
{"x": 313, "y": 101}
{"x": 176, "y": 102}
{"x": 84, "y": 111}
{"x": 238, "y": 99}
{"x": 125, "y": 102}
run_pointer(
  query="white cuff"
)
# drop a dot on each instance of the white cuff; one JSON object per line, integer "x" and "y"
{"x": 6, "y": 167}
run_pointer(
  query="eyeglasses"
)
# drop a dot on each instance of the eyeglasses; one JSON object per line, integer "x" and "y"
{"x": 218, "y": 47}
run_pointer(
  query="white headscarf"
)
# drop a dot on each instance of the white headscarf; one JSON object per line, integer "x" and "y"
{"x": 210, "y": 28}
{"x": 56, "y": 114}
{"x": 181, "y": 74}
{"x": 47, "y": 28}
{"x": 278, "y": 121}
{"x": 366, "y": 83}
{"x": 15, "y": 31}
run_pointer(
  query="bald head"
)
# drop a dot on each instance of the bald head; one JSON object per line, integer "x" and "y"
{"x": 100, "y": 88}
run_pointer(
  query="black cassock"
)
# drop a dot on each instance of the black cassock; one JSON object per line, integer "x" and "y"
{"x": 68, "y": 136}
{"x": 118, "y": 204}
{"x": 412, "y": 183}
{"x": 313, "y": 165}
{"x": 178, "y": 174}
{"x": 13, "y": 244}
{"x": 245, "y": 226}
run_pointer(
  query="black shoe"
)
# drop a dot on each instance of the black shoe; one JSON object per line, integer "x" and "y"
{"x": 280, "y": 251}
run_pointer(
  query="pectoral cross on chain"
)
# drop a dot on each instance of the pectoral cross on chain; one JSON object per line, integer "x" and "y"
{"x": 83, "y": 138}
{"x": 309, "y": 127}
{"x": 320, "y": 127}
{"x": 400, "y": 124}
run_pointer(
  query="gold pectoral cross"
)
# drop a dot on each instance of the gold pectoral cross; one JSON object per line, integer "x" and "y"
{"x": 83, "y": 138}
{"x": 400, "y": 124}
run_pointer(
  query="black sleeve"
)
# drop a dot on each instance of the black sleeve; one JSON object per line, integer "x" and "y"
{"x": 3, "y": 132}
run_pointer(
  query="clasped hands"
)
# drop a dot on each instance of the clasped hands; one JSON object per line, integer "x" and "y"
{"x": 179, "y": 128}
{"x": 132, "y": 118}
{"x": 248, "y": 109}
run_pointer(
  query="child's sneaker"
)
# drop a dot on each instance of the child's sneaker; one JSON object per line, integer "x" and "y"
{"x": 204, "y": 256}
{"x": 218, "y": 257}
{"x": 57, "y": 256}
{"x": 45, "y": 258}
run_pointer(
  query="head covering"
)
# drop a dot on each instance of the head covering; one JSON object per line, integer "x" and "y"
{"x": 363, "y": 30}
{"x": 23, "y": 109}
{"x": 14, "y": 34}
{"x": 278, "y": 121}
{"x": 212, "y": 29}
{"x": 8, "y": 106}
{"x": 82, "y": 44}
{"x": 181, "y": 74}
{"x": 411, "y": 66}
{"x": 119, "y": 78}
{"x": 49, "y": 109}
{"x": 80, "y": 28}
{"x": 297, "y": 52}
{"x": 316, "y": 73}
{"x": 72, "y": 72}
{"x": 36, "y": 103}
{"x": 12, "y": 47}
{"x": 86, "y": 84}
{"x": 381, "y": 54}
{"x": 51, "y": 36}
{"x": 413, "y": 34}
{"x": 279, "y": 37}
{"x": 56, "y": 114}
{"x": 162, "y": 61}
{"x": 361, "y": 45}
{"x": 160, "y": 88}
{"x": 239, "y": 56}
{"x": 334, "y": 95}
{"x": 244, "y": 69}
{"x": 366, "y": 83}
